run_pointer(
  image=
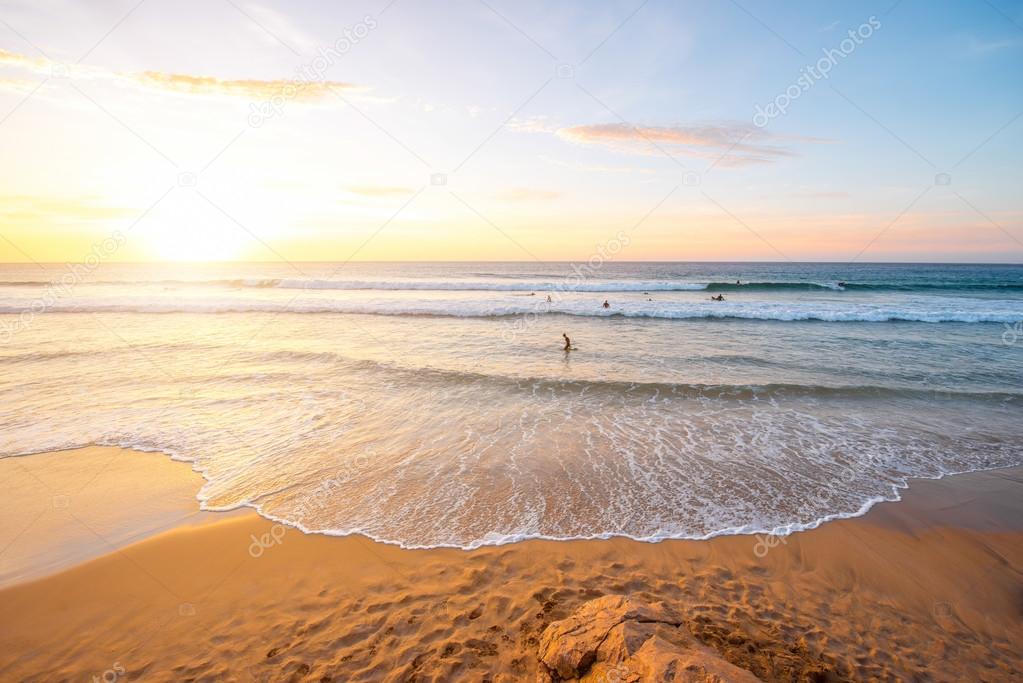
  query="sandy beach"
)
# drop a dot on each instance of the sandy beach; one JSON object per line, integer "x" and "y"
{"x": 927, "y": 588}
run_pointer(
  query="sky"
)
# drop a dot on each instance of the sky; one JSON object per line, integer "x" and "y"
{"x": 495, "y": 130}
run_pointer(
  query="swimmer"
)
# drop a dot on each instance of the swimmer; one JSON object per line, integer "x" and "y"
{"x": 568, "y": 342}
{"x": 606, "y": 304}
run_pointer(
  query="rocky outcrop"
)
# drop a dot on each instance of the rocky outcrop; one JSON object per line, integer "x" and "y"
{"x": 616, "y": 639}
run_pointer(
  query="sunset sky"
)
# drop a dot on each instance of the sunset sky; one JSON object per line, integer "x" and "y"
{"x": 471, "y": 129}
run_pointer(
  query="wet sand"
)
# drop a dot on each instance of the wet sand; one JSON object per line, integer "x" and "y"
{"x": 928, "y": 588}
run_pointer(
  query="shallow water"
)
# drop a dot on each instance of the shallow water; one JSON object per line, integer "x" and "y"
{"x": 432, "y": 404}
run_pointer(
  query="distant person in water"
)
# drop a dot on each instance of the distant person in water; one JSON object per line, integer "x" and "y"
{"x": 738, "y": 282}
{"x": 606, "y": 304}
{"x": 719, "y": 297}
{"x": 548, "y": 298}
{"x": 568, "y": 342}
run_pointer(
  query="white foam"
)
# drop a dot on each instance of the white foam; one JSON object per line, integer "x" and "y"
{"x": 566, "y": 285}
{"x": 928, "y": 309}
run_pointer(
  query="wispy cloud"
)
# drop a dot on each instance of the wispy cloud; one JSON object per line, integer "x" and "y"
{"x": 17, "y": 59}
{"x": 532, "y": 124}
{"x": 185, "y": 84}
{"x": 595, "y": 168}
{"x": 247, "y": 88}
{"x": 979, "y": 46}
{"x": 822, "y": 194}
{"x": 35, "y": 210}
{"x": 275, "y": 26}
{"x": 16, "y": 84}
{"x": 522, "y": 194}
{"x": 731, "y": 144}
{"x": 381, "y": 190}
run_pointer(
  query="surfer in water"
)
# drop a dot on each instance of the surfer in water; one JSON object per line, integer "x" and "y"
{"x": 568, "y": 342}
{"x": 606, "y": 304}
{"x": 719, "y": 297}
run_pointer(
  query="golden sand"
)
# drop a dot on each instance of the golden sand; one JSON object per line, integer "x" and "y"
{"x": 928, "y": 588}
{"x": 65, "y": 507}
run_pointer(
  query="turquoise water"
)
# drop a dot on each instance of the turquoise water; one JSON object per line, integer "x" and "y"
{"x": 433, "y": 404}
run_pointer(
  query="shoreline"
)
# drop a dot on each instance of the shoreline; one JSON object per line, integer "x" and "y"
{"x": 204, "y": 515}
{"x": 927, "y": 587}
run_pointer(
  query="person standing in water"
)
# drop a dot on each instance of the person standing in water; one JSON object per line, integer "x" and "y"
{"x": 568, "y": 342}
{"x": 606, "y": 304}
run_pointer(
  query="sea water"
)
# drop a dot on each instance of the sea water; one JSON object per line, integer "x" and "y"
{"x": 433, "y": 404}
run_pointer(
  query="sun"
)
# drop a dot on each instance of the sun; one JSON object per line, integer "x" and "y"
{"x": 189, "y": 231}
{"x": 193, "y": 243}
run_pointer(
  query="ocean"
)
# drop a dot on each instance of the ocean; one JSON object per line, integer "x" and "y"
{"x": 432, "y": 404}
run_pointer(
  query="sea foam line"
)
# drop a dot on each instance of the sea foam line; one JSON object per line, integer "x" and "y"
{"x": 512, "y": 284}
{"x": 935, "y": 311}
{"x": 498, "y": 539}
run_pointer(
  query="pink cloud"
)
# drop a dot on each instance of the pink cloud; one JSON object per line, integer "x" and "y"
{"x": 729, "y": 144}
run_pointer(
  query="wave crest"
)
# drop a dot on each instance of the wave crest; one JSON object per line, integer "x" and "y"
{"x": 548, "y": 284}
{"x": 934, "y": 310}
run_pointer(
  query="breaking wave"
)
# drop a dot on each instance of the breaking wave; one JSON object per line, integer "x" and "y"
{"x": 924, "y": 309}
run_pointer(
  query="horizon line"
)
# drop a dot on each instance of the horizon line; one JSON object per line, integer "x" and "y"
{"x": 541, "y": 262}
